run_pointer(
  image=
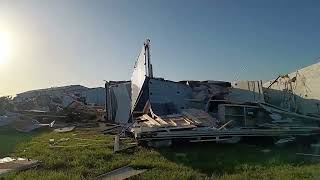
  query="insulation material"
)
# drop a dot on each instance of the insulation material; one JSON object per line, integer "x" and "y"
{"x": 203, "y": 91}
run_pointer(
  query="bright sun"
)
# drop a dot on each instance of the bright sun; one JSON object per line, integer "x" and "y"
{"x": 5, "y": 48}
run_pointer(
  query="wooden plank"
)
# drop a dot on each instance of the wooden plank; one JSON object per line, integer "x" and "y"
{"x": 199, "y": 117}
{"x": 161, "y": 121}
{"x": 172, "y": 122}
{"x": 225, "y": 125}
{"x": 151, "y": 120}
{"x": 191, "y": 121}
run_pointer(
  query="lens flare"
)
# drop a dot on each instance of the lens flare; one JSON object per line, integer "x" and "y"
{"x": 5, "y": 48}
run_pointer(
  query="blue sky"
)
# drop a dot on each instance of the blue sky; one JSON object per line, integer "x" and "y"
{"x": 59, "y": 42}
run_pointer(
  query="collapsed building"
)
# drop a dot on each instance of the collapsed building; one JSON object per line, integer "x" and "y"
{"x": 298, "y": 91}
{"x": 60, "y": 97}
{"x": 57, "y": 106}
{"x": 157, "y": 110}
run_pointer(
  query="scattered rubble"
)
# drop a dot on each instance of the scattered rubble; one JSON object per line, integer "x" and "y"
{"x": 154, "y": 109}
{"x": 63, "y": 106}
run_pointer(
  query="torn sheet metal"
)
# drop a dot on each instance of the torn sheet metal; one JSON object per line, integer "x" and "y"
{"x": 298, "y": 91}
{"x": 204, "y": 91}
{"x": 142, "y": 69}
{"x": 284, "y": 114}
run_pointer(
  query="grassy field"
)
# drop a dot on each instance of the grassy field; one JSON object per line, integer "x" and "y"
{"x": 89, "y": 154}
{"x": 9, "y": 138}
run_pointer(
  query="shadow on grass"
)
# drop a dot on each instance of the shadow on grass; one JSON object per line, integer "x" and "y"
{"x": 10, "y": 137}
{"x": 212, "y": 158}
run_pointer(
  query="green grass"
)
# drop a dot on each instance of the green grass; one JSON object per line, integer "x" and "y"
{"x": 183, "y": 161}
{"x": 9, "y": 138}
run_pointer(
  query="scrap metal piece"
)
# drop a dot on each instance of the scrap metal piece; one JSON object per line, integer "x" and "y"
{"x": 121, "y": 173}
{"x": 64, "y": 129}
{"x": 285, "y": 140}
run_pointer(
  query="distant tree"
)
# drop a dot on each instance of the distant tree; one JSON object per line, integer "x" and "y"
{"x": 6, "y": 104}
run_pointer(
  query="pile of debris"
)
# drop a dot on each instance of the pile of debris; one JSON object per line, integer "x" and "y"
{"x": 158, "y": 110}
{"x": 61, "y": 106}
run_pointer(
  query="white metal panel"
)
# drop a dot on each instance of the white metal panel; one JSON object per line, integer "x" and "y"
{"x": 306, "y": 87}
{"x": 123, "y": 101}
{"x": 142, "y": 69}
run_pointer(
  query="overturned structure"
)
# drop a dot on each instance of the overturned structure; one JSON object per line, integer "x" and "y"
{"x": 158, "y": 110}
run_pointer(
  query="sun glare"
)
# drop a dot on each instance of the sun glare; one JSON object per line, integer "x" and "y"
{"x": 5, "y": 48}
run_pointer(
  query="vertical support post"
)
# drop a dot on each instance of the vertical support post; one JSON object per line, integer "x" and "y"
{"x": 147, "y": 57}
{"x": 116, "y": 146}
{"x": 245, "y": 116}
{"x": 106, "y": 87}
